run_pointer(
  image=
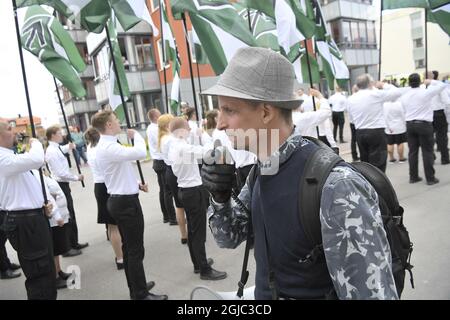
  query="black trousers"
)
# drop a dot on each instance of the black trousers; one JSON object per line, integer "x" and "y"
{"x": 195, "y": 203}
{"x": 127, "y": 211}
{"x": 440, "y": 126}
{"x": 165, "y": 193}
{"x": 420, "y": 134}
{"x": 338, "y": 121}
{"x": 30, "y": 235}
{"x": 373, "y": 147}
{"x": 5, "y": 264}
{"x": 72, "y": 229}
{"x": 353, "y": 142}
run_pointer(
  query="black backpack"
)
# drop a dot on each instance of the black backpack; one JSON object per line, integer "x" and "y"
{"x": 317, "y": 168}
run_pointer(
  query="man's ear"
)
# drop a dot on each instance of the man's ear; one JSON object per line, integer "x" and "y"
{"x": 268, "y": 113}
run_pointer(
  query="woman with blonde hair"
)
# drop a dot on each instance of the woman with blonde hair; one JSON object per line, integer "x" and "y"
{"x": 170, "y": 181}
{"x": 92, "y": 137}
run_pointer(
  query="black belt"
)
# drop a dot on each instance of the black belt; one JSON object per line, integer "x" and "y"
{"x": 124, "y": 195}
{"x": 418, "y": 121}
{"x": 24, "y": 213}
{"x": 190, "y": 188}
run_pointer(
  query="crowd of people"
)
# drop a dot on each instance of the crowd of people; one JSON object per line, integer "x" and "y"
{"x": 192, "y": 190}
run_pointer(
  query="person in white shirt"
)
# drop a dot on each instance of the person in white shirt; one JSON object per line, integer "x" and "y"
{"x": 115, "y": 163}
{"x": 58, "y": 223}
{"x": 338, "y": 103}
{"x": 366, "y": 109}
{"x": 325, "y": 133}
{"x": 185, "y": 158}
{"x": 170, "y": 180}
{"x": 196, "y": 132}
{"x": 395, "y": 129}
{"x": 440, "y": 103}
{"x": 355, "y": 156}
{"x": 165, "y": 200}
{"x": 419, "y": 125}
{"x": 59, "y": 169}
{"x": 92, "y": 137}
{"x": 25, "y": 214}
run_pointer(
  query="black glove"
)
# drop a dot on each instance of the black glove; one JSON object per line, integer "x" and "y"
{"x": 218, "y": 177}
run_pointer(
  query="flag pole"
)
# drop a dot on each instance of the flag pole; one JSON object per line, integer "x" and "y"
{"x": 426, "y": 43}
{"x": 69, "y": 138}
{"x": 27, "y": 95}
{"x": 124, "y": 106}
{"x": 305, "y": 42}
{"x": 199, "y": 84}
{"x": 381, "y": 41}
{"x": 190, "y": 64}
{"x": 163, "y": 49}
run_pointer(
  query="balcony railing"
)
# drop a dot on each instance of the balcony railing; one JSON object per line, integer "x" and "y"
{"x": 356, "y": 45}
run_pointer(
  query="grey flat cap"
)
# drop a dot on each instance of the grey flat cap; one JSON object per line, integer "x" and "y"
{"x": 258, "y": 74}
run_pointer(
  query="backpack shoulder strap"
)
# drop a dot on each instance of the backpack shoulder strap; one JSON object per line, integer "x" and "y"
{"x": 318, "y": 166}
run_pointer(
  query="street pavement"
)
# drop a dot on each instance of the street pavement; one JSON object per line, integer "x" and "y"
{"x": 167, "y": 262}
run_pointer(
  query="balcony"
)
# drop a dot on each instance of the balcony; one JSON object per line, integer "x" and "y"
{"x": 140, "y": 79}
{"x": 78, "y": 35}
{"x": 358, "y": 54}
{"x": 362, "y": 10}
{"x": 74, "y": 107}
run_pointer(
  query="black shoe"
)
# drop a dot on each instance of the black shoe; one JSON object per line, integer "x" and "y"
{"x": 72, "y": 253}
{"x": 152, "y": 296}
{"x": 414, "y": 180}
{"x": 149, "y": 286}
{"x": 402, "y": 160}
{"x": 64, "y": 275}
{"x": 165, "y": 220}
{"x": 183, "y": 240}
{"x": 210, "y": 262}
{"x": 9, "y": 274}
{"x": 13, "y": 266}
{"x": 61, "y": 283}
{"x": 356, "y": 159}
{"x": 173, "y": 223}
{"x": 444, "y": 162}
{"x": 212, "y": 274}
{"x": 434, "y": 181}
{"x": 343, "y": 141}
{"x": 81, "y": 246}
{"x": 393, "y": 160}
{"x": 119, "y": 265}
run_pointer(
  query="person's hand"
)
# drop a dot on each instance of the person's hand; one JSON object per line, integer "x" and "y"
{"x": 80, "y": 177}
{"x": 379, "y": 85}
{"x": 48, "y": 208}
{"x": 143, "y": 187}
{"x": 218, "y": 176}
{"x": 427, "y": 82}
{"x": 315, "y": 93}
{"x": 130, "y": 134}
{"x": 60, "y": 222}
{"x": 72, "y": 146}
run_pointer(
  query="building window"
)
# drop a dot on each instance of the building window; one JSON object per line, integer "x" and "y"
{"x": 418, "y": 43}
{"x": 160, "y": 55}
{"x": 101, "y": 63}
{"x": 90, "y": 89}
{"x": 152, "y": 100}
{"x": 144, "y": 52}
{"x": 420, "y": 63}
{"x": 354, "y": 33}
{"x": 155, "y": 4}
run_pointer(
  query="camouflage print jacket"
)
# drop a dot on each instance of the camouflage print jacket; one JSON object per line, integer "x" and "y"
{"x": 356, "y": 249}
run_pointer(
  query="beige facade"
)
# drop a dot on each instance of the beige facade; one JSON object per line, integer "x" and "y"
{"x": 403, "y": 45}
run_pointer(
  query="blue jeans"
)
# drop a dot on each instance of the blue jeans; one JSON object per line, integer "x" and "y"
{"x": 79, "y": 152}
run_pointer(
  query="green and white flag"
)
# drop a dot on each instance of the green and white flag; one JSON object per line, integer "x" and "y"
{"x": 200, "y": 54}
{"x": 221, "y": 30}
{"x": 333, "y": 63}
{"x": 171, "y": 51}
{"x": 263, "y": 27}
{"x": 45, "y": 37}
{"x": 114, "y": 92}
{"x": 131, "y": 12}
{"x": 439, "y": 13}
{"x": 92, "y": 15}
{"x": 301, "y": 67}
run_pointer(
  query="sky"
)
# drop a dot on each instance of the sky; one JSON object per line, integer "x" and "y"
{"x": 40, "y": 83}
